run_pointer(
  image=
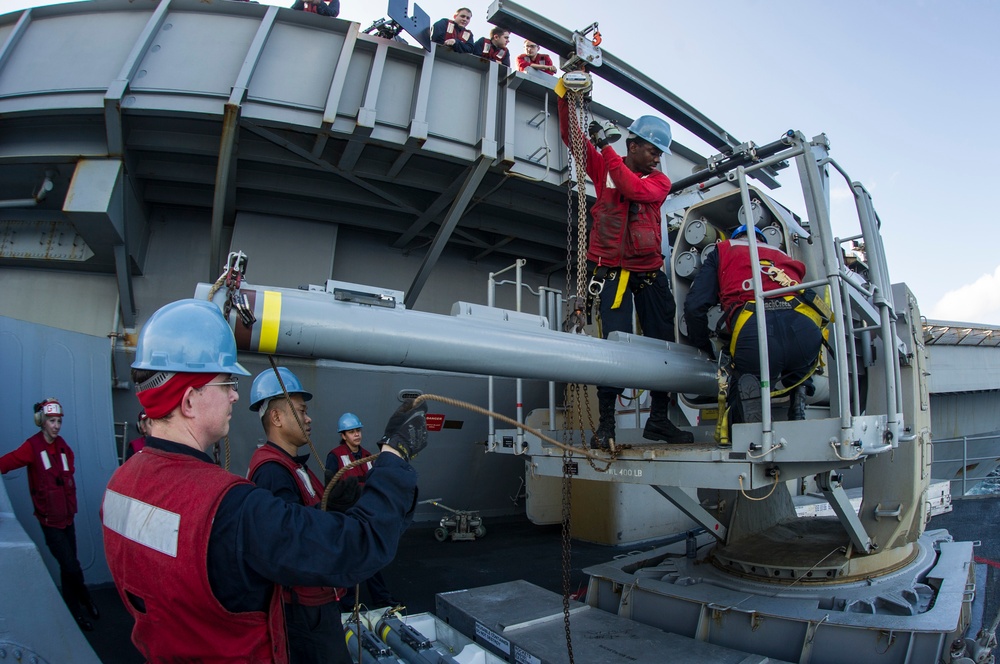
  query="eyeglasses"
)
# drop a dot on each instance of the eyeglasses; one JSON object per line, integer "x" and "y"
{"x": 233, "y": 384}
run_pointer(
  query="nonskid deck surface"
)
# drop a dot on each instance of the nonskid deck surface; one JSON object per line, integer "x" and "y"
{"x": 423, "y": 567}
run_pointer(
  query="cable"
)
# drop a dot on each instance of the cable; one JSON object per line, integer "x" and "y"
{"x": 777, "y": 474}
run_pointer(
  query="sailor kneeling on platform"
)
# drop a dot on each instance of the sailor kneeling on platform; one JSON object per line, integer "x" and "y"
{"x": 794, "y": 327}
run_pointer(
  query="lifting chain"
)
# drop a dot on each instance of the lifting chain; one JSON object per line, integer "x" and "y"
{"x": 576, "y": 397}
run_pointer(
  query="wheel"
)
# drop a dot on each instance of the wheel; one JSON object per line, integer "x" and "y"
{"x": 480, "y": 532}
{"x": 440, "y": 534}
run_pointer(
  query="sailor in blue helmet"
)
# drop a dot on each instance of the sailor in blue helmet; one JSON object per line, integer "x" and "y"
{"x": 199, "y": 555}
{"x": 624, "y": 255}
{"x": 793, "y": 327}
{"x": 350, "y": 450}
{"x": 312, "y": 614}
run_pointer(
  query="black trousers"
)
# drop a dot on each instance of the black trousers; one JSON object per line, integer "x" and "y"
{"x": 315, "y": 634}
{"x": 62, "y": 544}
{"x": 793, "y": 342}
{"x": 654, "y": 304}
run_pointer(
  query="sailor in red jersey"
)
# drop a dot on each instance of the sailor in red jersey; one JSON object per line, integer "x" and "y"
{"x": 312, "y": 615}
{"x": 349, "y": 451}
{"x": 532, "y": 59}
{"x": 198, "y": 554}
{"x": 624, "y": 253}
{"x": 50, "y": 464}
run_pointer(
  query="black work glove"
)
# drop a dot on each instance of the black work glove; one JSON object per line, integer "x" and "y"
{"x": 406, "y": 431}
{"x": 343, "y": 495}
{"x": 603, "y": 134}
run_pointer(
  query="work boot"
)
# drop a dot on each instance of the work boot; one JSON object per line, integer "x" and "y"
{"x": 797, "y": 403}
{"x": 605, "y": 434}
{"x": 659, "y": 426}
{"x": 748, "y": 394}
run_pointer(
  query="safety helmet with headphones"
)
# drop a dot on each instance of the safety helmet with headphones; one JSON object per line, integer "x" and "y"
{"x": 266, "y": 386}
{"x": 188, "y": 336}
{"x": 348, "y": 422}
{"x": 49, "y": 407}
{"x": 652, "y": 130}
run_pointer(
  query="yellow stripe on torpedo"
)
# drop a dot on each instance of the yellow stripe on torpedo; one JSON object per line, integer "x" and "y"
{"x": 272, "y": 320}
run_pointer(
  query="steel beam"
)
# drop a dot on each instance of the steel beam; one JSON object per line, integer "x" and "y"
{"x": 526, "y": 23}
{"x": 469, "y": 186}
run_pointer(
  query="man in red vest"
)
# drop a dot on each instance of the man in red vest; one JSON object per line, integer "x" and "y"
{"x": 494, "y": 48}
{"x": 199, "y": 555}
{"x": 625, "y": 252}
{"x": 312, "y": 615}
{"x": 532, "y": 59}
{"x": 53, "y": 492}
{"x": 455, "y": 33}
{"x": 349, "y": 451}
{"x": 794, "y": 334}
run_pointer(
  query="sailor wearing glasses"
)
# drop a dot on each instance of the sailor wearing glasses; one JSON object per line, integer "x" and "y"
{"x": 198, "y": 554}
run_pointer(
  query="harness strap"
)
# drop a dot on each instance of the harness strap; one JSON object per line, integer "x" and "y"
{"x": 622, "y": 285}
{"x": 750, "y": 307}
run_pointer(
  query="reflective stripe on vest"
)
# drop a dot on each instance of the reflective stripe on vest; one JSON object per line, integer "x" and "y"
{"x": 142, "y": 523}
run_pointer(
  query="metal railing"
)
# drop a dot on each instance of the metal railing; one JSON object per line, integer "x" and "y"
{"x": 968, "y": 461}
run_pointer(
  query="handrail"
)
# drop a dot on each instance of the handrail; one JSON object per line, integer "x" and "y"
{"x": 965, "y": 459}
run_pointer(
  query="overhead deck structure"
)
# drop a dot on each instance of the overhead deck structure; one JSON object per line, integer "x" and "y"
{"x": 172, "y": 130}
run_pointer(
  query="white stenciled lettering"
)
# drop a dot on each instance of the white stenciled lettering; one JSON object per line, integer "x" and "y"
{"x": 626, "y": 472}
{"x": 489, "y": 636}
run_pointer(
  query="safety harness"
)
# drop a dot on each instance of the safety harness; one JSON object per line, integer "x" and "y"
{"x": 806, "y": 302}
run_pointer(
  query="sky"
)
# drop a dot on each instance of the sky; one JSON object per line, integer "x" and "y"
{"x": 907, "y": 92}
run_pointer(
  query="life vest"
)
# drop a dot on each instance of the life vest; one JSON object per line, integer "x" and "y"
{"x": 311, "y": 493}
{"x": 524, "y": 61}
{"x": 157, "y": 514}
{"x": 50, "y": 479}
{"x": 309, "y": 7}
{"x": 491, "y": 52}
{"x": 458, "y": 34}
{"x": 343, "y": 455}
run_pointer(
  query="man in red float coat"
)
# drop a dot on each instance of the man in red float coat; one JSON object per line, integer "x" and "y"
{"x": 624, "y": 252}
{"x": 312, "y": 615}
{"x": 532, "y": 59}
{"x": 494, "y": 48}
{"x": 349, "y": 451}
{"x": 455, "y": 33}
{"x": 198, "y": 554}
{"x": 794, "y": 334}
{"x": 50, "y": 464}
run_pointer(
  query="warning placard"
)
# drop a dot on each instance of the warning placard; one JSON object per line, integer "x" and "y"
{"x": 435, "y": 421}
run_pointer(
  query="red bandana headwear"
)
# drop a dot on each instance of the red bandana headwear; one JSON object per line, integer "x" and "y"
{"x": 165, "y": 395}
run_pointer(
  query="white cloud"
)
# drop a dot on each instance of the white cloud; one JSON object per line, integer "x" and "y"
{"x": 978, "y": 302}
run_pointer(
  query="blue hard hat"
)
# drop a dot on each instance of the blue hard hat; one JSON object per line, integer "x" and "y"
{"x": 741, "y": 230}
{"x": 266, "y": 386}
{"x": 653, "y": 130}
{"x": 348, "y": 421}
{"x": 188, "y": 336}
